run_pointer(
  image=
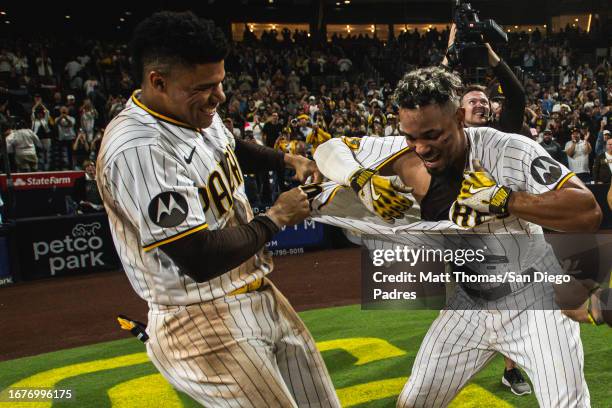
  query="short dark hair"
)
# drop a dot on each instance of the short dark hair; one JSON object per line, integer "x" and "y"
{"x": 169, "y": 38}
{"x": 428, "y": 86}
{"x": 472, "y": 88}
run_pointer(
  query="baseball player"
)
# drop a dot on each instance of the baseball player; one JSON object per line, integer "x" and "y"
{"x": 170, "y": 174}
{"x": 488, "y": 182}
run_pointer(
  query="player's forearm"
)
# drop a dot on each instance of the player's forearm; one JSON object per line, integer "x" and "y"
{"x": 208, "y": 254}
{"x": 568, "y": 209}
{"x": 511, "y": 118}
{"x": 336, "y": 161}
{"x": 254, "y": 158}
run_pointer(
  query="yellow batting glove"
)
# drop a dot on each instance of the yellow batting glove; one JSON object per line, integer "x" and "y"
{"x": 481, "y": 192}
{"x": 381, "y": 195}
{"x": 467, "y": 217}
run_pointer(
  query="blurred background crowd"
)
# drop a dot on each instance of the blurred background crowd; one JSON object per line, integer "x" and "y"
{"x": 291, "y": 92}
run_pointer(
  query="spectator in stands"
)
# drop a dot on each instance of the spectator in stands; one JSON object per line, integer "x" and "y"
{"x": 65, "y": 136}
{"x": 22, "y": 142}
{"x": 578, "y": 150}
{"x": 602, "y": 137}
{"x": 80, "y": 149}
{"x": 271, "y": 130}
{"x": 229, "y": 124}
{"x": 89, "y": 114}
{"x": 85, "y": 190}
{"x": 41, "y": 126}
{"x": 44, "y": 65}
{"x": 71, "y": 106}
{"x": 392, "y": 128}
{"x": 552, "y": 147}
{"x": 602, "y": 166}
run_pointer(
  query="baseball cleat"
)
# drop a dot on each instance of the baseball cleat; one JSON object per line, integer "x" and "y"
{"x": 514, "y": 380}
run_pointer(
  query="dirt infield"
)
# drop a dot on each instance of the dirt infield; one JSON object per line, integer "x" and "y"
{"x": 53, "y": 314}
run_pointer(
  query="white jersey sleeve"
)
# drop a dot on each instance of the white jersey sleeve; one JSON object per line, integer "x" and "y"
{"x": 338, "y": 159}
{"x": 528, "y": 167}
{"x": 155, "y": 194}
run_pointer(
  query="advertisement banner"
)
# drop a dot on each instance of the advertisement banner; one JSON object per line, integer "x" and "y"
{"x": 42, "y": 180}
{"x": 40, "y": 194}
{"x": 67, "y": 245}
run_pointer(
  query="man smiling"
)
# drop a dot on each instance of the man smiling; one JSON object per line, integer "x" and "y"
{"x": 171, "y": 177}
{"x": 489, "y": 182}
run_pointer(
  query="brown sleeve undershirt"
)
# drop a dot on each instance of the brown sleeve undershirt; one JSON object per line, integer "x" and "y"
{"x": 254, "y": 158}
{"x": 206, "y": 254}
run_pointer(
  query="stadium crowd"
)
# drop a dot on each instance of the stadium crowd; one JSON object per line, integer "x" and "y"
{"x": 288, "y": 91}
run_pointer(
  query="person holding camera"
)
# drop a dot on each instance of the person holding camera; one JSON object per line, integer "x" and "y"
{"x": 80, "y": 148}
{"x": 41, "y": 126}
{"x": 476, "y": 102}
{"x": 65, "y": 135}
{"x": 578, "y": 150}
{"x": 602, "y": 166}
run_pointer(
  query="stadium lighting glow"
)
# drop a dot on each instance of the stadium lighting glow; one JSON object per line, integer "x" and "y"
{"x": 337, "y": 3}
{"x": 347, "y": 1}
{"x": 67, "y": 17}
{"x": 3, "y": 13}
{"x": 589, "y": 23}
{"x": 122, "y": 19}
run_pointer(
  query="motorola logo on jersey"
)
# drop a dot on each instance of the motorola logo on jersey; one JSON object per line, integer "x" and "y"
{"x": 545, "y": 170}
{"x": 168, "y": 209}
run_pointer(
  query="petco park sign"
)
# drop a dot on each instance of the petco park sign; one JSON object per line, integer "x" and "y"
{"x": 65, "y": 245}
{"x": 79, "y": 250}
{"x": 28, "y": 181}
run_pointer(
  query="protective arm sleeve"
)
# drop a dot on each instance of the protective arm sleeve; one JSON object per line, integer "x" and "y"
{"x": 208, "y": 254}
{"x": 336, "y": 161}
{"x": 511, "y": 119}
{"x": 254, "y": 158}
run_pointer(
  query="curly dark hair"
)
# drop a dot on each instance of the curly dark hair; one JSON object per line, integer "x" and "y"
{"x": 428, "y": 86}
{"x": 175, "y": 38}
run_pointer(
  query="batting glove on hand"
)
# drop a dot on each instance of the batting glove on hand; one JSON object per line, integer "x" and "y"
{"x": 381, "y": 195}
{"x": 467, "y": 217}
{"x": 481, "y": 192}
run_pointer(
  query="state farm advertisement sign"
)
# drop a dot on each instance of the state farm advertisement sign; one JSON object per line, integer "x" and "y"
{"x": 42, "y": 180}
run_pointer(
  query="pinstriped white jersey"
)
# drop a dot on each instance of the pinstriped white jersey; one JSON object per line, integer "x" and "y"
{"x": 513, "y": 160}
{"x": 161, "y": 181}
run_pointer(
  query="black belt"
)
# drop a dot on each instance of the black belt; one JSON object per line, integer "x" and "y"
{"x": 495, "y": 293}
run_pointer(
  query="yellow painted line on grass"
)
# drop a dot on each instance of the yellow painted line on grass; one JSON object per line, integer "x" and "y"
{"x": 372, "y": 391}
{"x": 364, "y": 349}
{"x": 472, "y": 396}
{"x": 148, "y": 391}
{"x": 51, "y": 377}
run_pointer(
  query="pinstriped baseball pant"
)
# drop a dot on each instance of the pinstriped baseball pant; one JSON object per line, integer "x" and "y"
{"x": 247, "y": 350}
{"x": 459, "y": 343}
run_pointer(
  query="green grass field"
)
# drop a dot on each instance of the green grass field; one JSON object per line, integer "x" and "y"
{"x": 369, "y": 355}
